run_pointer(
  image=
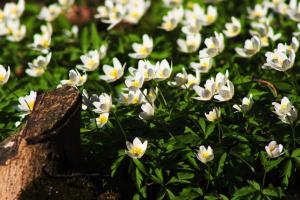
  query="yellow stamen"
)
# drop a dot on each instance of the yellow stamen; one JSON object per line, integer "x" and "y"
{"x": 103, "y": 119}
{"x": 136, "y": 151}
{"x": 114, "y": 73}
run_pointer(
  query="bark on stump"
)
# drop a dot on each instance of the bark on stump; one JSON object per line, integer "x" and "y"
{"x": 49, "y": 142}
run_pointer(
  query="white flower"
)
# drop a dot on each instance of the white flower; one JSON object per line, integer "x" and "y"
{"x": 65, "y": 4}
{"x": 214, "y": 46}
{"x": 294, "y": 10}
{"x": 172, "y": 19}
{"x": 210, "y": 17}
{"x": 180, "y": 78}
{"x": 246, "y": 104}
{"x": 203, "y": 66}
{"x": 113, "y": 73}
{"x": 73, "y": 33}
{"x": 75, "y": 79}
{"x": 285, "y": 111}
{"x": 103, "y": 50}
{"x": 90, "y": 61}
{"x": 281, "y": 59}
{"x": 274, "y": 150}
{"x": 172, "y": 3}
{"x": 226, "y": 92}
{"x": 102, "y": 12}
{"x": 4, "y": 75}
{"x": 27, "y": 103}
{"x": 103, "y": 104}
{"x": 142, "y": 50}
{"x": 132, "y": 97}
{"x": 163, "y": 70}
{"x": 192, "y": 23}
{"x": 205, "y": 155}
{"x": 206, "y": 93}
{"x": 264, "y": 32}
{"x": 192, "y": 80}
{"x": 233, "y": 29}
{"x": 148, "y": 111}
{"x": 135, "y": 10}
{"x": 38, "y": 66}
{"x": 190, "y": 44}
{"x": 136, "y": 149}
{"x": 13, "y": 10}
{"x": 221, "y": 80}
{"x": 294, "y": 45}
{"x": 14, "y": 31}
{"x": 151, "y": 95}
{"x": 251, "y": 47}
{"x": 50, "y": 13}
{"x": 298, "y": 32}
{"x": 113, "y": 14}
{"x": 87, "y": 101}
{"x": 213, "y": 115}
{"x": 102, "y": 119}
{"x": 145, "y": 68}
{"x": 135, "y": 97}
{"x": 41, "y": 42}
{"x": 135, "y": 82}
{"x": 260, "y": 11}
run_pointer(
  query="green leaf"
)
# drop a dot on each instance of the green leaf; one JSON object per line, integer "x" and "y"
{"x": 296, "y": 153}
{"x": 190, "y": 194}
{"x": 274, "y": 163}
{"x": 170, "y": 194}
{"x": 139, "y": 178}
{"x": 116, "y": 164}
{"x": 84, "y": 39}
{"x": 140, "y": 166}
{"x": 95, "y": 36}
{"x": 210, "y": 129}
{"x": 287, "y": 172}
{"x": 159, "y": 174}
{"x": 202, "y": 124}
{"x": 243, "y": 192}
{"x": 221, "y": 164}
{"x": 273, "y": 192}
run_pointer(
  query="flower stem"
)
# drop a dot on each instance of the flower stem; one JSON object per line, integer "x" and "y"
{"x": 119, "y": 124}
{"x": 208, "y": 181}
{"x": 220, "y": 131}
{"x": 293, "y": 134}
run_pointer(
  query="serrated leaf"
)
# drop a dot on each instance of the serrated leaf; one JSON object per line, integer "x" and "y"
{"x": 221, "y": 164}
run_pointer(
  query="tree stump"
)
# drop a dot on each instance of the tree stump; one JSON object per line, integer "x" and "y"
{"x": 49, "y": 142}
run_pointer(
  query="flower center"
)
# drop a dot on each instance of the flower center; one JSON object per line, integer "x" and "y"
{"x": 136, "y": 151}
{"x": 210, "y": 18}
{"x": 90, "y": 63}
{"x": 30, "y": 105}
{"x": 2, "y": 77}
{"x": 135, "y": 83}
{"x": 114, "y": 73}
{"x": 143, "y": 51}
{"x": 205, "y": 154}
{"x": 103, "y": 119}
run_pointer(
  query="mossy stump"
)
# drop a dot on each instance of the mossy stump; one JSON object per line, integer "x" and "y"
{"x": 48, "y": 143}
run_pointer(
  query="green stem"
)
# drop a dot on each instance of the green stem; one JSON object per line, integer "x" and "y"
{"x": 293, "y": 134}
{"x": 120, "y": 126}
{"x": 265, "y": 174}
{"x": 220, "y": 132}
{"x": 208, "y": 181}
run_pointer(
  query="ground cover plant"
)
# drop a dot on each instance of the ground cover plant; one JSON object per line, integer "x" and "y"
{"x": 182, "y": 99}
